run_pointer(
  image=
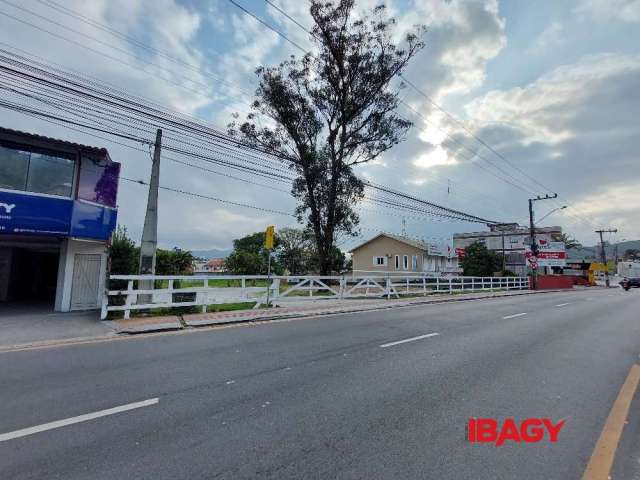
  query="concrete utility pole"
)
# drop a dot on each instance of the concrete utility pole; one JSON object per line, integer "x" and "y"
{"x": 603, "y": 254}
{"x": 149, "y": 241}
{"x": 532, "y": 234}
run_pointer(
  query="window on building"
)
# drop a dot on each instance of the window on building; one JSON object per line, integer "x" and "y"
{"x": 98, "y": 181}
{"x": 397, "y": 262}
{"x": 405, "y": 262}
{"x": 414, "y": 262}
{"x": 36, "y": 171}
{"x": 50, "y": 174}
{"x": 379, "y": 261}
{"x": 14, "y": 165}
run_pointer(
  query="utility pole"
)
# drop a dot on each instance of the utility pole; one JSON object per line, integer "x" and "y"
{"x": 504, "y": 259}
{"x": 149, "y": 241}
{"x": 603, "y": 254}
{"x": 532, "y": 234}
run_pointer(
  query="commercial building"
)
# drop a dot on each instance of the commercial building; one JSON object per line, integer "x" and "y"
{"x": 398, "y": 254}
{"x": 511, "y": 240}
{"x": 57, "y": 213}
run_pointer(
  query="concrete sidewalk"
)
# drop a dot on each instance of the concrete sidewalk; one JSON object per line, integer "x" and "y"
{"x": 22, "y": 324}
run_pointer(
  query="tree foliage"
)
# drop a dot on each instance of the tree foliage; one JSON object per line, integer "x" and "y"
{"x": 296, "y": 248}
{"x": 124, "y": 256}
{"x": 479, "y": 261}
{"x": 174, "y": 262}
{"x": 569, "y": 242}
{"x": 331, "y": 110}
{"x": 123, "y": 253}
{"x": 249, "y": 257}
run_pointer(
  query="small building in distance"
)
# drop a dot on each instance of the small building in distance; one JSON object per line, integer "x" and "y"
{"x": 509, "y": 239}
{"x": 397, "y": 254}
{"x": 214, "y": 265}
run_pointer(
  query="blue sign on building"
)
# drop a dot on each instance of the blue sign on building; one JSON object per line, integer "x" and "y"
{"x": 25, "y": 214}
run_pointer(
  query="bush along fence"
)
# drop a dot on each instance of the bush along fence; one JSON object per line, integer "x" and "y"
{"x": 125, "y": 295}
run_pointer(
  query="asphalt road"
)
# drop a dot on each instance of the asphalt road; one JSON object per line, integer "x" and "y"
{"x": 321, "y": 398}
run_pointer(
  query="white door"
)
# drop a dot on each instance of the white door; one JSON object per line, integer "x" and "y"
{"x": 86, "y": 281}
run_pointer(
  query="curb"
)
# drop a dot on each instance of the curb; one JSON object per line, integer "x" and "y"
{"x": 55, "y": 343}
{"x": 185, "y": 327}
{"x": 185, "y": 323}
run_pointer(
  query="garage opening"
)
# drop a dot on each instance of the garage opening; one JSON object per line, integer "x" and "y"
{"x": 29, "y": 272}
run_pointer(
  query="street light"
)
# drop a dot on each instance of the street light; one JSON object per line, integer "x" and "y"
{"x": 552, "y": 211}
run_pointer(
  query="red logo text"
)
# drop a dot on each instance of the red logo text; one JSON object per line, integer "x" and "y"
{"x": 530, "y": 430}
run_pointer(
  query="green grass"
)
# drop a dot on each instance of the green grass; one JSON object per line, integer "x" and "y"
{"x": 159, "y": 312}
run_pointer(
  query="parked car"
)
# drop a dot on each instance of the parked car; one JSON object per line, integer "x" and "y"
{"x": 628, "y": 283}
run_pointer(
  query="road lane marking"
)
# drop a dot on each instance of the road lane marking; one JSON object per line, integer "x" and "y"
{"x": 601, "y": 461}
{"x": 563, "y": 304}
{"x": 514, "y": 315}
{"x": 412, "y": 339}
{"x": 81, "y": 418}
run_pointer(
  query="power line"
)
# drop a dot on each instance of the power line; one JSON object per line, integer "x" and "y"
{"x": 97, "y": 101}
{"x": 268, "y": 26}
{"x": 466, "y": 129}
{"x": 289, "y": 17}
{"x": 207, "y": 197}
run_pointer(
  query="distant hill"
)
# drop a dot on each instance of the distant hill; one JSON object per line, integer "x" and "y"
{"x": 209, "y": 254}
{"x": 592, "y": 253}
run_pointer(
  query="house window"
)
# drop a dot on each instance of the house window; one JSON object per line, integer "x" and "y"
{"x": 405, "y": 262}
{"x": 397, "y": 262}
{"x": 414, "y": 262}
{"x": 379, "y": 261}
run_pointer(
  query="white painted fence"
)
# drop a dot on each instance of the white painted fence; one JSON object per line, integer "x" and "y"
{"x": 207, "y": 290}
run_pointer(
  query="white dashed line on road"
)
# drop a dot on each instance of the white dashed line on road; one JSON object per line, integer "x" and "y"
{"x": 514, "y": 315}
{"x": 412, "y": 339}
{"x": 81, "y": 418}
{"x": 563, "y": 304}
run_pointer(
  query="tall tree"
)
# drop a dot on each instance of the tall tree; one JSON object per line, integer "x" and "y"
{"x": 331, "y": 110}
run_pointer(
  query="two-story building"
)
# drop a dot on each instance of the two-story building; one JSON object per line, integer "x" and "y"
{"x": 511, "y": 240}
{"x": 57, "y": 213}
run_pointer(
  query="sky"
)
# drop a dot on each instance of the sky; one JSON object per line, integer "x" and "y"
{"x": 550, "y": 89}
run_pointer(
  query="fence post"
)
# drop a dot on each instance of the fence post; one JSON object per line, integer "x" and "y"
{"x": 129, "y": 298}
{"x": 451, "y": 286}
{"x": 343, "y": 286}
{"x": 105, "y": 303}
{"x": 388, "y": 288}
{"x": 424, "y": 286}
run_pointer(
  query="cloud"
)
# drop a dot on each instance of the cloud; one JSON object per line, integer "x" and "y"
{"x": 573, "y": 129}
{"x": 438, "y": 156}
{"x": 606, "y": 10}
{"x": 549, "y": 37}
